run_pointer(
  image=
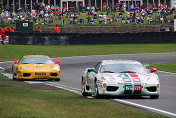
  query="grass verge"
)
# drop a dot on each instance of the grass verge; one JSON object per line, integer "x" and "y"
{"x": 14, "y": 52}
{"x": 169, "y": 67}
{"x": 22, "y": 100}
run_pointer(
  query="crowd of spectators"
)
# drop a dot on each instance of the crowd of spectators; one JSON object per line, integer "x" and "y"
{"x": 41, "y": 11}
{"x": 120, "y": 14}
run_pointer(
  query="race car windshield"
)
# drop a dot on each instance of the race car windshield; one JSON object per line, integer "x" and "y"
{"x": 37, "y": 60}
{"x": 124, "y": 68}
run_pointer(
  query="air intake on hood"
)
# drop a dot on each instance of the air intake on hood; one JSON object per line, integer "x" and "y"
{"x": 26, "y": 74}
{"x": 152, "y": 88}
{"x": 112, "y": 88}
{"x": 53, "y": 74}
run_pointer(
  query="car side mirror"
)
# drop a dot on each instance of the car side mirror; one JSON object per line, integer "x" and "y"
{"x": 16, "y": 62}
{"x": 92, "y": 69}
{"x": 153, "y": 70}
{"x": 57, "y": 62}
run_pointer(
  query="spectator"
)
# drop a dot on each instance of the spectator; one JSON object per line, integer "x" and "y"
{"x": 3, "y": 33}
{"x": 39, "y": 29}
{"x": 12, "y": 29}
{"x": 81, "y": 21}
{"x": 56, "y": 29}
{"x": 104, "y": 6}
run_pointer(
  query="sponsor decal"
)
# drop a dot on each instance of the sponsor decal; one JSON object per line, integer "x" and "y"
{"x": 136, "y": 80}
{"x": 137, "y": 89}
{"x": 120, "y": 62}
{"x": 90, "y": 75}
{"x": 40, "y": 74}
{"x": 138, "y": 86}
{"x": 127, "y": 86}
{"x": 129, "y": 79}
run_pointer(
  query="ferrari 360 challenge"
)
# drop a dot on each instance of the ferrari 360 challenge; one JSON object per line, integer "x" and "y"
{"x": 120, "y": 78}
{"x": 36, "y": 67}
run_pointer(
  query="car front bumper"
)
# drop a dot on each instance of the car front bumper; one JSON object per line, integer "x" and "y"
{"x": 123, "y": 89}
{"x": 52, "y": 74}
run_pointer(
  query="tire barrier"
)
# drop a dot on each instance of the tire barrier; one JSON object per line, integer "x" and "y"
{"x": 36, "y": 38}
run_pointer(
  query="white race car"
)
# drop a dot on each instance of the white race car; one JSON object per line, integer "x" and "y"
{"x": 120, "y": 78}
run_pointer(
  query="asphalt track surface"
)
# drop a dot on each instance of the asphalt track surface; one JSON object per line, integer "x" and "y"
{"x": 72, "y": 67}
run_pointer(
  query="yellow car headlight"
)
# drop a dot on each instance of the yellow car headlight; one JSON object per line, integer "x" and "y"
{"x": 24, "y": 68}
{"x": 55, "y": 68}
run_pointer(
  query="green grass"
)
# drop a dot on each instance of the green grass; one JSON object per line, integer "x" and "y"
{"x": 22, "y": 100}
{"x": 14, "y": 52}
{"x": 169, "y": 67}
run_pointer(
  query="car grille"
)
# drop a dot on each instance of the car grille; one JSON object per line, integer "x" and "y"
{"x": 152, "y": 88}
{"x": 112, "y": 88}
{"x": 53, "y": 74}
{"x": 26, "y": 74}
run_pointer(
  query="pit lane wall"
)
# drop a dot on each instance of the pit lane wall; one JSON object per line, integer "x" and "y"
{"x": 35, "y": 38}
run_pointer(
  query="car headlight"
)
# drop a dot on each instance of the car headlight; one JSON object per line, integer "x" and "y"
{"x": 152, "y": 80}
{"x": 55, "y": 68}
{"x": 24, "y": 68}
{"x": 105, "y": 78}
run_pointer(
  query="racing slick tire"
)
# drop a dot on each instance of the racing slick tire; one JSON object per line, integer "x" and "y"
{"x": 83, "y": 89}
{"x": 154, "y": 96}
{"x": 58, "y": 79}
{"x": 96, "y": 93}
{"x": 14, "y": 77}
{"x": 17, "y": 77}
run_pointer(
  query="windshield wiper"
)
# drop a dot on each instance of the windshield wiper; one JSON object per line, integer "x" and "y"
{"x": 127, "y": 72}
{"x": 108, "y": 72}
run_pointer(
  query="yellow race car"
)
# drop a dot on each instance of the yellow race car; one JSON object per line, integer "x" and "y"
{"x": 36, "y": 67}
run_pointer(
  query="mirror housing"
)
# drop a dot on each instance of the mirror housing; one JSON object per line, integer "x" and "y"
{"x": 153, "y": 70}
{"x": 16, "y": 62}
{"x": 57, "y": 62}
{"x": 92, "y": 69}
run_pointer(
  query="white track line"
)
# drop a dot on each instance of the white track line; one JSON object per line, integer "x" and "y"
{"x": 167, "y": 72}
{"x": 75, "y": 90}
{"x": 165, "y": 113}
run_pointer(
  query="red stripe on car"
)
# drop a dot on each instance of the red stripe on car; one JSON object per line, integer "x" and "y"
{"x": 137, "y": 83}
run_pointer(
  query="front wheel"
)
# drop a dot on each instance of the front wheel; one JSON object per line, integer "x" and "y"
{"x": 83, "y": 88}
{"x": 14, "y": 77}
{"x": 154, "y": 96}
{"x": 57, "y": 79}
{"x": 96, "y": 93}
